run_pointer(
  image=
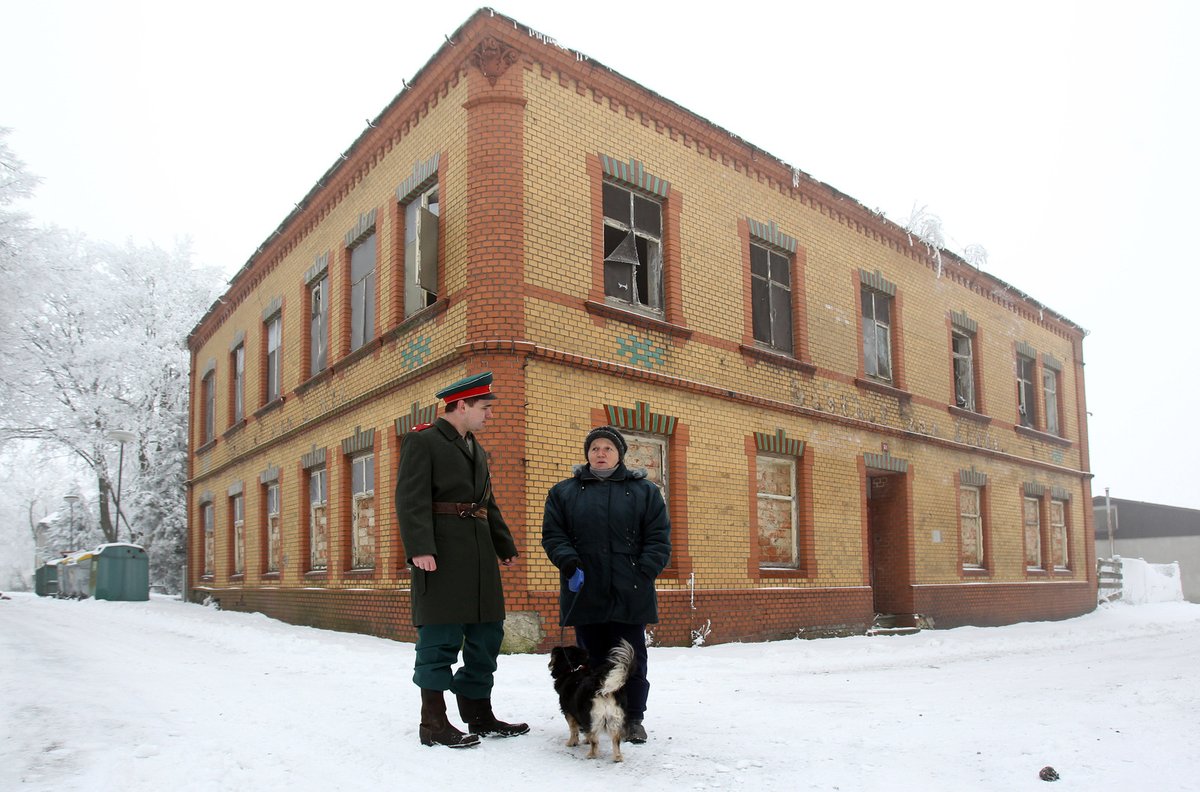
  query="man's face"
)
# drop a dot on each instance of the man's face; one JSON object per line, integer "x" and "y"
{"x": 476, "y": 415}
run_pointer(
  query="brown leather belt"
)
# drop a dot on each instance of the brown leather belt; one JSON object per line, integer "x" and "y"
{"x": 463, "y": 510}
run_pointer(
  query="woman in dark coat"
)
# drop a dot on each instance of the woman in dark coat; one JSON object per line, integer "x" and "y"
{"x": 607, "y": 530}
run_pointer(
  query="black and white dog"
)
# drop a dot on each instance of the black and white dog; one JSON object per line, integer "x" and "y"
{"x": 593, "y": 699}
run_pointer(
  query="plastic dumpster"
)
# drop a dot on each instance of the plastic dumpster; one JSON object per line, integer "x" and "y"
{"x": 121, "y": 572}
{"x": 45, "y": 579}
{"x": 75, "y": 575}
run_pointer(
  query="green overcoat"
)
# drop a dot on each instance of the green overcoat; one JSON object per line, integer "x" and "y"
{"x": 436, "y": 465}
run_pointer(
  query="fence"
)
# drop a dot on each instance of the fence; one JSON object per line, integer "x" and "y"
{"x": 1109, "y": 579}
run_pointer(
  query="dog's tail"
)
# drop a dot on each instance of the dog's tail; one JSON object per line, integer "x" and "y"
{"x": 622, "y": 659}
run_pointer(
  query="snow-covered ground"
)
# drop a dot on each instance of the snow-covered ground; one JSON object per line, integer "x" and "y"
{"x": 163, "y": 695}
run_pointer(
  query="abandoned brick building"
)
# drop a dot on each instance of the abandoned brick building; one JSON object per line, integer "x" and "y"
{"x": 843, "y": 421}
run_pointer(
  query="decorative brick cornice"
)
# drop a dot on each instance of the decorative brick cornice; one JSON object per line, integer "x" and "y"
{"x": 885, "y": 461}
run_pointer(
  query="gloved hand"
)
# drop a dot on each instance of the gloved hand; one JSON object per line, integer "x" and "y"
{"x": 575, "y": 582}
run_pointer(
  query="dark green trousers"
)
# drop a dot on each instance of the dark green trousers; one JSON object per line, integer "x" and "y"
{"x": 438, "y": 646}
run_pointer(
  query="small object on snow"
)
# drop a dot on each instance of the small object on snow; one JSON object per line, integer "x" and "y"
{"x": 1048, "y": 773}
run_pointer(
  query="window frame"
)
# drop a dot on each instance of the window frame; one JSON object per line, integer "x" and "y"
{"x": 655, "y": 279}
{"x": 964, "y": 516}
{"x": 871, "y": 326}
{"x": 958, "y": 360}
{"x": 357, "y": 557}
{"x": 421, "y": 243}
{"x": 208, "y": 519}
{"x": 237, "y": 533}
{"x": 1038, "y": 549}
{"x": 773, "y": 325}
{"x": 318, "y": 495}
{"x": 1051, "y": 402}
{"x": 273, "y": 358}
{"x": 1059, "y": 533}
{"x": 1027, "y": 408}
{"x": 208, "y": 409}
{"x": 318, "y": 324}
{"x": 794, "y": 470}
{"x": 237, "y": 383}
{"x": 362, "y": 303}
{"x": 272, "y": 537}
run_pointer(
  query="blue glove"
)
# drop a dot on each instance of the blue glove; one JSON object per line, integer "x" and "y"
{"x": 575, "y": 582}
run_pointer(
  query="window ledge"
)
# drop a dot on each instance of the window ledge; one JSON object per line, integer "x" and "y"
{"x": 780, "y": 572}
{"x": 970, "y": 415}
{"x": 1045, "y": 437}
{"x": 879, "y": 387}
{"x": 360, "y": 573}
{"x": 634, "y": 318}
{"x": 426, "y": 314}
{"x": 368, "y": 348}
{"x": 237, "y": 577}
{"x": 207, "y": 446}
{"x": 237, "y": 427}
{"x": 974, "y": 572}
{"x": 316, "y": 574}
{"x": 313, "y": 381}
{"x": 776, "y": 358}
{"x": 269, "y": 406}
{"x": 270, "y": 576}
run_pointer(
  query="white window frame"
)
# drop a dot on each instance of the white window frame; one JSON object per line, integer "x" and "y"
{"x": 1058, "y": 533}
{"x": 877, "y": 335}
{"x": 274, "y": 341}
{"x": 362, "y": 488}
{"x": 778, "y": 291}
{"x": 208, "y": 515}
{"x": 318, "y": 325}
{"x": 239, "y": 383}
{"x": 1026, "y": 391}
{"x": 274, "y": 529}
{"x": 1037, "y": 535}
{"x": 237, "y": 509}
{"x": 962, "y": 351}
{"x": 1050, "y": 396}
{"x": 318, "y": 497}
{"x": 974, "y": 518}
{"x": 208, "y": 387}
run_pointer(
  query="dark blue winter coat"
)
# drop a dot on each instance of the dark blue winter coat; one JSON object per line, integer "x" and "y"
{"x": 618, "y": 531}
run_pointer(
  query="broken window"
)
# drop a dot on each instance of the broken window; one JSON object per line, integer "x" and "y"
{"x": 1033, "y": 533}
{"x": 362, "y": 292}
{"x": 206, "y": 513}
{"x": 318, "y": 326}
{"x": 970, "y": 520}
{"x": 1050, "y": 391}
{"x": 963, "y": 354}
{"x": 274, "y": 530}
{"x": 771, "y": 297}
{"x": 632, "y": 248}
{"x": 239, "y": 383}
{"x": 1026, "y": 401}
{"x": 318, "y": 520}
{"x": 274, "y": 338}
{"x": 649, "y": 452}
{"x": 1058, "y": 534}
{"x": 362, "y": 523}
{"x": 208, "y": 388}
{"x": 421, "y": 250}
{"x": 239, "y": 534}
{"x": 877, "y": 334}
{"x": 778, "y": 544}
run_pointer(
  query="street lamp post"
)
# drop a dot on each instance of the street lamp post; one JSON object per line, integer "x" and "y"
{"x": 122, "y": 436}
{"x": 71, "y": 500}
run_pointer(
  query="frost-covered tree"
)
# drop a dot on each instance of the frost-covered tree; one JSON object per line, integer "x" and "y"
{"x": 93, "y": 341}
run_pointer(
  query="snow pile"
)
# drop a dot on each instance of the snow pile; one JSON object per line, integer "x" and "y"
{"x": 1143, "y": 582}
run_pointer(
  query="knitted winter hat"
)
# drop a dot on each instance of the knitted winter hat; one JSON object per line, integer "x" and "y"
{"x": 609, "y": 433}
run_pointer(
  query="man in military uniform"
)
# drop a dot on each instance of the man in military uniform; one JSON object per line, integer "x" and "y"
{"x": 453, "y": 535}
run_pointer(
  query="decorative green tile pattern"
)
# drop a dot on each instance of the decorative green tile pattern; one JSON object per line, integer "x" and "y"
{"x": 640, "y": 352}
{"x": 415, "y": 353}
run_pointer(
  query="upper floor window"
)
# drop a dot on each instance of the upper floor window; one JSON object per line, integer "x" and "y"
{"x": 771, "y": 297}
{"x": 1050, "y": 396}
{"x": 362, "y": 292}
{"x": 963, "y": 354}
{"x": 318, "y": 325}
{"x": 421, "y": 250}
{"x": 274, "y": 340}
{"x": 633, "y": 255}
{"x": 877, "y": 334}
{"x": 208, "y": 388}
{"x": 1026, "y": 391}
{"x": 238, "y": 382}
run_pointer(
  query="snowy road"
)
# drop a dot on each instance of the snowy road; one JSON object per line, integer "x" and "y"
{"x": 163, "y": 695}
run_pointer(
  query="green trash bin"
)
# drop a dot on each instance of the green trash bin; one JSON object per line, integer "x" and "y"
{"x": 45, "y": 581}
{"x": 121, "y": 572}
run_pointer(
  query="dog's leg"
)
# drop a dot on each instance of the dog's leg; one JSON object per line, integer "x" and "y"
{"x": 594, "y": 742}
{"x": 573, "y": 740}
{"x": 615, "y": 734}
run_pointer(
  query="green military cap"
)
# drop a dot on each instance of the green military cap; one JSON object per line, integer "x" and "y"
{"x": 476, "y": 386}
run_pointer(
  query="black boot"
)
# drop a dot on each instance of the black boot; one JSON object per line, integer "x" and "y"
{"x": 635, "y": 732}
{"x": 477, "y": 714}
{"x": 435, "y": 727}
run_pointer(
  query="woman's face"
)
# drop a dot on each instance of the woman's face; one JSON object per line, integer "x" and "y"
{"x": 602, "y": 454}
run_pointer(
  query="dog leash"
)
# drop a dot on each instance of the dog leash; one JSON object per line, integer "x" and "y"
{"x": 562, "y": 627}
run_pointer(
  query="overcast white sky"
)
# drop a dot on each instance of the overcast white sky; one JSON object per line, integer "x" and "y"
{"x": 1061, "y": 136}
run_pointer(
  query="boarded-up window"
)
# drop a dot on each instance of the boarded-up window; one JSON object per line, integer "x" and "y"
{"x": 1033, "y": 533}
{"x": 318, "y": 520}
{"x": 209, "y": 546}
{"x": 362, "y": 527}
{"x": 777, "y": 512}
{"x": 971, "y": 522}
{"x": 237, "y": 506}
{"x": 1058, "y": 534}
{"x": 274, "y": 530}
{"x": 649, "y": 452}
